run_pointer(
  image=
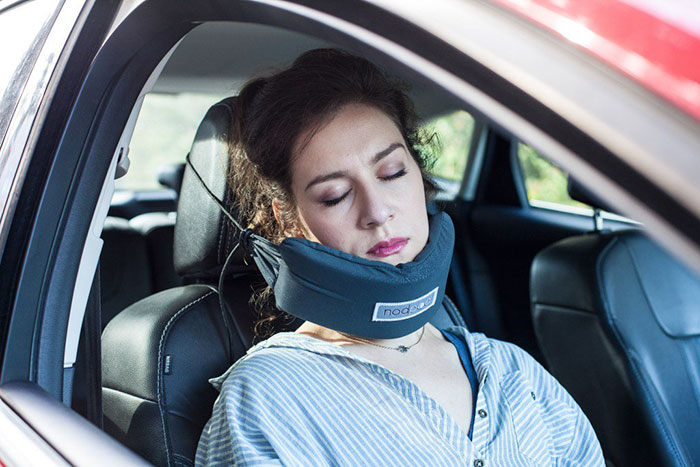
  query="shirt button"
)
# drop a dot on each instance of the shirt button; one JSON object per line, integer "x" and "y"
{"x": 482, "y": 413}
{"x": 479, "y": 463}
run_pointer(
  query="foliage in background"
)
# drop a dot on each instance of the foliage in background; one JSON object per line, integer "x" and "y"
{"x": 543, "y": 180}
{"x": 454, "y": 132}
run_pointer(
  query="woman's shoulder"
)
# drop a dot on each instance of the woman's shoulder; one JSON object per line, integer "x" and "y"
{"x": 275, "y": 360}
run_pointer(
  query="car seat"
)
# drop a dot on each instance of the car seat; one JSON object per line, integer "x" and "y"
{"x": 158, "y": 354}
{"x": 618, "y": 320}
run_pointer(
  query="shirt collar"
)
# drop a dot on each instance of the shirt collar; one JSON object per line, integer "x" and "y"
{"x": 477, "y": 344}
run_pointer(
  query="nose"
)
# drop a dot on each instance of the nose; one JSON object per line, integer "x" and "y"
{"x": 376, "y": 208}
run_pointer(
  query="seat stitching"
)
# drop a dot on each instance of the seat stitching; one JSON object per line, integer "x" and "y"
{"x": 182, "y": 460}
{"x": 221, "y": 235}
{"x": 159, "y": 379}
{"x": 676, "y": 444}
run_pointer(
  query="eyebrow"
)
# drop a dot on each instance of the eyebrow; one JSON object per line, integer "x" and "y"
{"x": 340, "y": 173}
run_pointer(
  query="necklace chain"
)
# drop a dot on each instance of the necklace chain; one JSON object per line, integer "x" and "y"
{"x": 400, "y": 348}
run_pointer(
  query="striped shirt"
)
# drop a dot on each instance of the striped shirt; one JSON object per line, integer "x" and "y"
{"x": 299, "y": 401}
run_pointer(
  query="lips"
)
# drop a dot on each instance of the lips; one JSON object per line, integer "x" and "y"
{"x": 388, "y": 248}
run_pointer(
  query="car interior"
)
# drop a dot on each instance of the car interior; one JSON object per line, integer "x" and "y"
{"x": 164, "y": 313}
{"x": 580, "y": 289}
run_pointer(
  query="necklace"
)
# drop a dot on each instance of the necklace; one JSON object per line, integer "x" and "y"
{"x": 400, "y": 348}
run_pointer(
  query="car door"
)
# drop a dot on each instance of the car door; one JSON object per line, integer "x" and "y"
{"x": 47, "y": 47}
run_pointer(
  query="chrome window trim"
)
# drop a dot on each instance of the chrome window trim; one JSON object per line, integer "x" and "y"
{"x": 581, "y": 211}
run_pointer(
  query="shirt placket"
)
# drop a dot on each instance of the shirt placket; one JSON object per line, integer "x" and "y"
{"x": 439, "y": 419}
{"x": 482, "y": 426}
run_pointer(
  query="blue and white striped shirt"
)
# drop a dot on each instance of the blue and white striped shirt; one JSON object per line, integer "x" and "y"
{"x": 299, "y": 401}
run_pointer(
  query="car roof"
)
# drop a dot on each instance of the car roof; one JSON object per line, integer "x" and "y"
{"x": 655, "y": 43}
{"x": 219, "y": 57}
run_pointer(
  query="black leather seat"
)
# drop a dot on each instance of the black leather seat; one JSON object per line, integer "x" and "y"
{"x": 158, "y": 354}
{"x": 137, "y": 255}
{"x": 618, "y": 321}
{"x": 158, "y": 229}
{"x": 123, "y": 282}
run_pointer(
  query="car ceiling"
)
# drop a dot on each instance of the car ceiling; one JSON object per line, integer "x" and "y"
{"x": 219, "y": 57}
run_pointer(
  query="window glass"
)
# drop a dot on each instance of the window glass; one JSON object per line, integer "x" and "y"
{"x": 23, "y": 30}
{"x": 454, "y": 132}
{"x": 163, "y": 135}
{"x": 545, "y": 183}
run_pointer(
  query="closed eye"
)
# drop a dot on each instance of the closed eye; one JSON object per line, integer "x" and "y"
{"x": 334, "y": 201}
{"x": 398, "y": 174}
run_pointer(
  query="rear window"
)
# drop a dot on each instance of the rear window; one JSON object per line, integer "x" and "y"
{"x": 163, "y": 135}
{"x": 454, "y": 131}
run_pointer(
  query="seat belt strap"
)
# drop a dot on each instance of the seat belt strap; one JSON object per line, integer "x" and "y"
{"x": 92, "y": 329}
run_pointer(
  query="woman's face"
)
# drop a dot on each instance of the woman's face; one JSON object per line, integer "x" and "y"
{"x": 358, "y": 189}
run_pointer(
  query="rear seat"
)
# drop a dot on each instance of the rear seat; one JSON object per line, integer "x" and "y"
{"x": 137, "y": 255}
{"x": 124, "y": 267}
{"x": 157, "y": 228}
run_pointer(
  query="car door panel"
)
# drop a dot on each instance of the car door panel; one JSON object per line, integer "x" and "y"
{"x": 66, "y": 437}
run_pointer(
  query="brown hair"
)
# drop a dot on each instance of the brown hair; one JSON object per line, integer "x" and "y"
{"x": 273, "y": 113}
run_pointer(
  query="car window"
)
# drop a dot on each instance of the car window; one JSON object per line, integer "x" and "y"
{"x": 454, "y": 132}
{"x": 545, "y": 183}
{"x": 163, "y": 135}
{"x": 25, "y": 25}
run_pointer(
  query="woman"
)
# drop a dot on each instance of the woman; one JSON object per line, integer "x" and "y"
{"x": 329, "y": 150}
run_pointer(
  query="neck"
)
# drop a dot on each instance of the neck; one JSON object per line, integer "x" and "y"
{"x": 314, "y": 330}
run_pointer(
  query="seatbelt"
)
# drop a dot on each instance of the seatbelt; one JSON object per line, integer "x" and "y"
{"x": 458, "y": 283}
{"x": 453, "y": 312}
{"x": 92, "y": 356}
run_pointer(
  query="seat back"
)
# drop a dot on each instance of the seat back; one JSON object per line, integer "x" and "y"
{"x": 158, "y": 354}
{"x": 123, "y": 282}
{"x": 618, "y": 320}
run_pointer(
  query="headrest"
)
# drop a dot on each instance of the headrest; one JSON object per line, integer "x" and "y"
{"x": 583, "y": 195}
{"x": 203, "y": 236}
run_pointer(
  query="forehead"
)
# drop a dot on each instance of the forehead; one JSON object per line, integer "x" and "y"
{"x": 354, "y": 131}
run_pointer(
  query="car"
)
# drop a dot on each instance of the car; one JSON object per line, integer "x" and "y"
{"x": 609, "y": 91}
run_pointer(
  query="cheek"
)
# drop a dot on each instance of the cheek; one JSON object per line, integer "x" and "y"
{"x": 324, "y": 227}
{"x": 417, "y": 193}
